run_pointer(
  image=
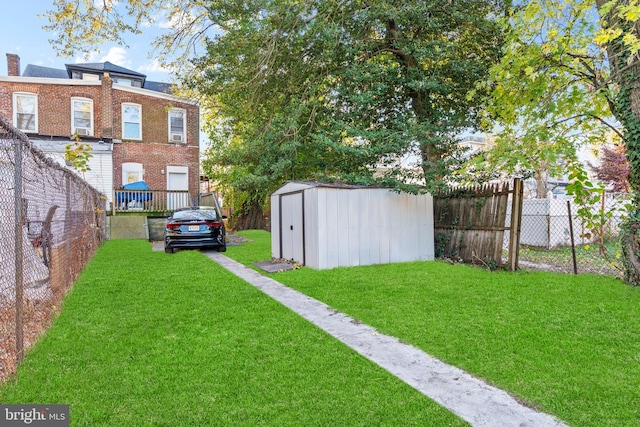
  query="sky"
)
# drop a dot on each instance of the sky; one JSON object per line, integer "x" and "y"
{"x": 21, "y": 33}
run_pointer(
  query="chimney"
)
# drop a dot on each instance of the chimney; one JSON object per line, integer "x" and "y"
{"x": 13, "y": 64}
{"x": 107, "y": 107}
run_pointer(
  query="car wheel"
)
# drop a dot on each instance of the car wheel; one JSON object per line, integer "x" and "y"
{"x": 222, "y": 248}
{"x": 169, "y": 250}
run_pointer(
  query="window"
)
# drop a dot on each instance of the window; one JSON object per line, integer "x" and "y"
{"x": 131, "y": 121}
{"x": 25, "y": 112}
{"x": 82, "y": 116}
{"x": 92, "y": 77}
{"x": 121, "y": 81}
{"x": 177, "y": 125}
{"x": 132, "y": 172}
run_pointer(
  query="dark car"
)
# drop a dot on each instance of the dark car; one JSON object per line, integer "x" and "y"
{"x": 195, "y": 227}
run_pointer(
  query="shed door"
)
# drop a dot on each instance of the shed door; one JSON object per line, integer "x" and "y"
{"x": 292, "y": 227}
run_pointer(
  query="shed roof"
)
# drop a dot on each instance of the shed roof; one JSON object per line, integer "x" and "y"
{"x": 295, "y": 186}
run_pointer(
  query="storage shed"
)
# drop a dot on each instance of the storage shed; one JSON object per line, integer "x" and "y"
{"x": 324, "y": 225}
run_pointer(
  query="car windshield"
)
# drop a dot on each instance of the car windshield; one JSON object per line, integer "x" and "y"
{"x": 199, "y": 214}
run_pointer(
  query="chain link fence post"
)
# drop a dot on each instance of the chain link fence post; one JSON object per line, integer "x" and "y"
{"x": 18, "y": 249}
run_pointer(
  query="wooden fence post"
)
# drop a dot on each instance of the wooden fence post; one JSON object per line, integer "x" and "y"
{"x": 516, "y": 221}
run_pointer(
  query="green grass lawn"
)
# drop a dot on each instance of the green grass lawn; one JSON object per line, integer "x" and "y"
{"x": 568, "y": 345}
{"x": 150, "y": 339}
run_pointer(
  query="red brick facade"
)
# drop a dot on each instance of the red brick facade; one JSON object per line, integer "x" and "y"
{"x": 155, "y": 152}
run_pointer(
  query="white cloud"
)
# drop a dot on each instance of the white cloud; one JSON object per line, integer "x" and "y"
{"x": 117, "y": 56}
{"x": 170, "y": 24}
{"x": 153, "y": 67}
{"x": 87, "y": 57}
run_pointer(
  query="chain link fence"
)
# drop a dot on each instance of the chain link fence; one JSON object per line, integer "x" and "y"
{"x": 554, "y": 237}
{"x": 51, "y": 223}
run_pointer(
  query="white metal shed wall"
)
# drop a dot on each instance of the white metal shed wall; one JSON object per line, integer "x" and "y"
{"x": 352, "y": 226}
{"x": 372, "y": 226}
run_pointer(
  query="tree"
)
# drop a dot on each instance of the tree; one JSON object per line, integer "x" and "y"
{"x": 332, "y": 91}
{"x": 83, "y": 25}
{"x": 613, "y": 168}
{"x": 620, "y": 38}
{"x": 570, "y": 74}
{"x": 322, "y": 89}
{"x": 550, "y": 92}
{"x": 77, "y": 154}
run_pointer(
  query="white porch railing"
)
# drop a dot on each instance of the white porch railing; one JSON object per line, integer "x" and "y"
{"x": 148, "y": 200}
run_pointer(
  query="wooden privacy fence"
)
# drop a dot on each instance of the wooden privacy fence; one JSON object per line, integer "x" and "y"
{"x": 470, "y": 223}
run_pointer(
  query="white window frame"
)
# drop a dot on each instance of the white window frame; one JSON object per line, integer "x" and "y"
{"x": 132, "y": 168}
{"x": 126, "y": 105}
{"x": 124, "y": 82}
{"x": 183, "y": 134}
{"x": 16, "y": 95}
{"x": 73, "y": 111}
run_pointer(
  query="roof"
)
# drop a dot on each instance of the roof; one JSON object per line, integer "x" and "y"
{"x": 105, "y": 67}
{"x": 95, "y": 68}
{"x": 296, "y": 186}
{"x": 158, "y": 86}
{"x": 58, "y": 145}
{"x": 44, "y": 72}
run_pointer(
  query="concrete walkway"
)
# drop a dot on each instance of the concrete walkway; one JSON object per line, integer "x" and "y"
{"x": 471, "y": 399}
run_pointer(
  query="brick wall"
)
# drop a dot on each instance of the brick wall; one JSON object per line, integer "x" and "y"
{"x": 154, "y": 152}
{"x": 106, "y": 106}
{"x": 155, "y": 117}
{"x": 155, "y": 157}
{"x": 13, "y": 64}
{"x": 54, "y": 105}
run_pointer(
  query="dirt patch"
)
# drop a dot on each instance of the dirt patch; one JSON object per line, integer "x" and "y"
{"x": 234, "y": 239}
{"x": 276, "y": 265}
{"x": 541, "y": 266}
{"x": 36, "y": 320}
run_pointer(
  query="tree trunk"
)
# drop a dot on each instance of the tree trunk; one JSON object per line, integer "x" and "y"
{"x": 430, "y": 152}
{"x": 541, "y": 178}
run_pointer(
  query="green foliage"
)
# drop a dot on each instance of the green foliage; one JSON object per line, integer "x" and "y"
{"x": 594, "y": 213}
{"x": 82, "y": 26}
{"x": 567, "y": 76}
{"x": 77, "y": 154}
{"x": 337, "y": 91}
{"x": 550, "y": 92}
{"x": 344, "y": 92}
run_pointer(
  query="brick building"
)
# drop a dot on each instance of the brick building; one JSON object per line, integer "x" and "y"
{"x": 137, "y": 129}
